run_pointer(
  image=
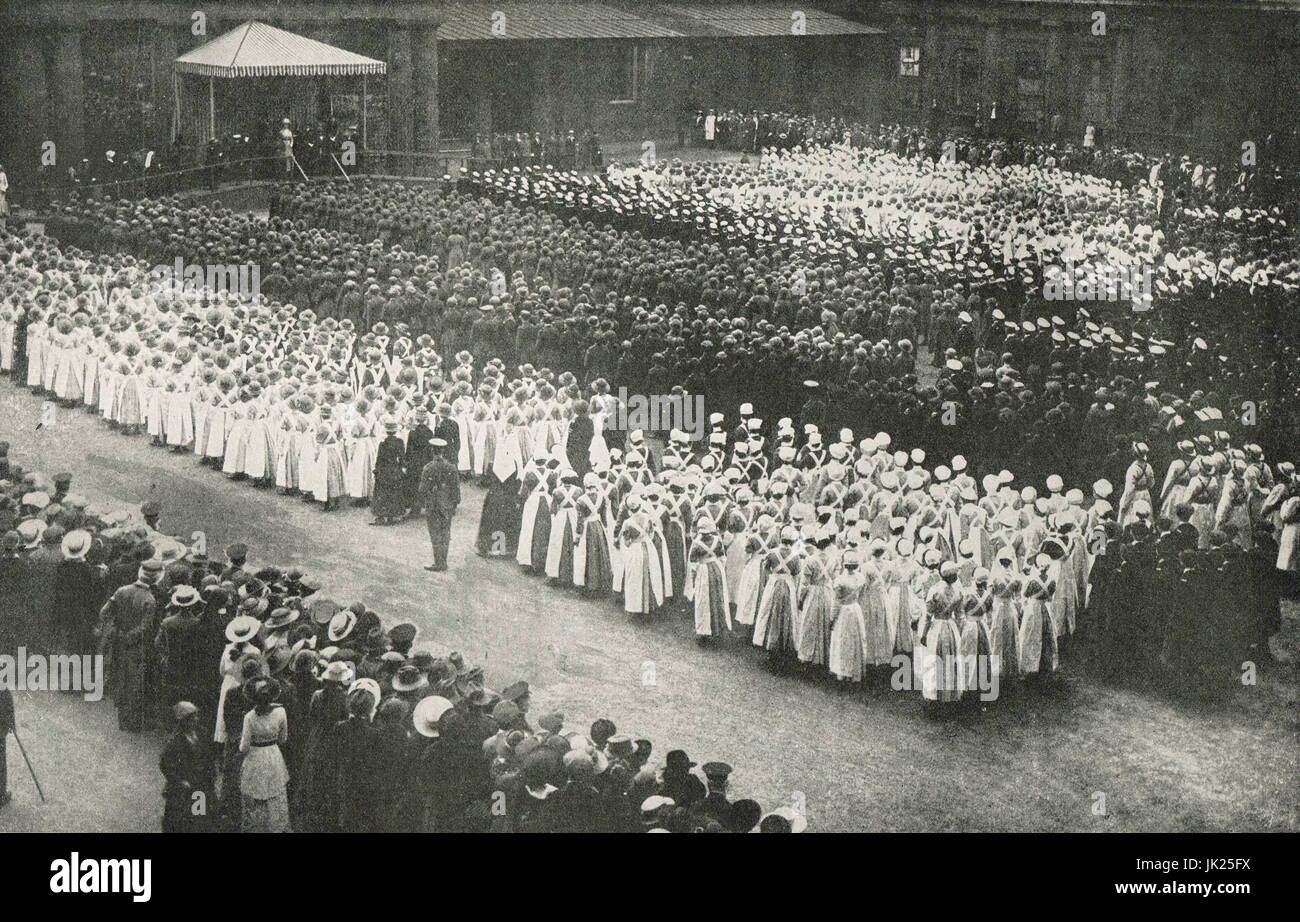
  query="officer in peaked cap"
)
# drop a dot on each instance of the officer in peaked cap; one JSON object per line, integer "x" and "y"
{"x": 715, "y": 804}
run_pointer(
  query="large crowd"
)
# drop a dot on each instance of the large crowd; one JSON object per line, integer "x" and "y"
{"x": 289, "y": 710}
{"x": 509, "y": 313}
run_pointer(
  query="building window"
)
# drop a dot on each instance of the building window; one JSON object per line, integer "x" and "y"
{"x": 625, "y": 74}
{"x": 1029, "y": 89}
{"x": 909, "y": 61}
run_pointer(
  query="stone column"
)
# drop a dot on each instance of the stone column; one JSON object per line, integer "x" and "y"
{"x": 166, "y": 49}
{"x": 68, "y": 93}
{"x": 401, "y": 90}
{"x": 424, "y": 59}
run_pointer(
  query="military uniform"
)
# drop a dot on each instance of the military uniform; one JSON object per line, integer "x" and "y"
{"x": 439, "y": 493}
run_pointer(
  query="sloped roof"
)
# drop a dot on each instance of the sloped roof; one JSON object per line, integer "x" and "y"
{"x": 759, "y": 20}
{"x": 255, "y": 49}
{"x": 515, "y": 21}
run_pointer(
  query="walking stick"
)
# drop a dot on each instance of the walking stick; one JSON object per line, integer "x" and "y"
{"x": 35, "y": 780}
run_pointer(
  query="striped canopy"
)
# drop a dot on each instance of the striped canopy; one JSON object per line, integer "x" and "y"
{"x": 255, "y": 49}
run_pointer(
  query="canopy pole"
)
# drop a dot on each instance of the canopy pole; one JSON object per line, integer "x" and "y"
{"x": 212, "y": 110}
{"x": 364, "y": 94}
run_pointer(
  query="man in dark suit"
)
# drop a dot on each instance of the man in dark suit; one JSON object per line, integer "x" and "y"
{"x": 417, "y": 456}
{"x": 440, "y": 494}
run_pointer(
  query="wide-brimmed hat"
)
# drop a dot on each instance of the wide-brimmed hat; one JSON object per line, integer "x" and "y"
{"x": 322, "y": 610}
{"x": 76, "y": 544}
{"x": 409, "y": 678}
{"x": 340, "y": 672}
{"x": 427, "y": 714}
{"x": 185, "y": 597}
{"x": 242, "y": 628}
{"x": 342, "y": 625}
{"x": 282, "y": 617}
{"x": 31, "y": 532}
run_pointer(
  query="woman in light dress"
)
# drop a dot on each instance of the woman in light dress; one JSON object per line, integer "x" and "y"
{"x": 774, "y": 627}
{"x": 1038, "y": 651}
{"x": 264, "y": 777}
{"x": 816, "y": 611}
{"x": 844, "y": 653}
{"x": 706, "y": 585}
{"x": 877, "y": 638}
{"x": 638, "y": 570}
{"x": 757, "y": 543}
{"x": 1004, "y": 626}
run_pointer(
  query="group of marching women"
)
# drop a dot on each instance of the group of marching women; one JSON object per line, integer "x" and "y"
{"x": 840, "y": 555}
{"x": 273, "y": 396}
{"x": 845, "y": 555}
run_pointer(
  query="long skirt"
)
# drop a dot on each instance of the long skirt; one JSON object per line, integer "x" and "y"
{"x": 360, "y": 472}
{"x": 642, "y": 578}
{"x": 259, "y": 450}
{"x": 199, "y": 413}
{"x": 527, "y": 522}
{"x": 180, "y": 423}
{"x": 707, "y": 589}
{"x": 813, "y": 641}
{"x": 1004, "y": 640}
{"x": 775, "y": 624}
{"x": 593, "y": 569}
{"x": 735, "y": 565}
{"x": 976, "y": 649}
{"x": 287, "y": 462}
{"x": 109, "y": 384}
{"x": 675, "y": 545}
{"x": 89, "y": 380}
{"x": 878, "y": 641}
{"x": 236, "y": 447}
{"x": 559, "y": 549}
{"x": 747, "y": 594}
{"x": 1037, "y": 639}
{"x": 215, "y": 426}
{"x": 154, "y": 414}
{"x": 328, "y": 483}
{"x": 541, "y": 535}
{"x": 844, "y": 655}
{"x": 939, "y": 662}
{"x": 901, "y": 634}
{"x": 128, "y": 411}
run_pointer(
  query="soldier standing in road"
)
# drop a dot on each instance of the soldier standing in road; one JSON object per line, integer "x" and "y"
{"x": 439, "y": 493}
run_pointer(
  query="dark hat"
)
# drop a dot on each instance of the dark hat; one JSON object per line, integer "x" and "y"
{"x": 716, "y": 771}
{"x": 602, "y": 730}
{"x": 401, "y": 636}
{"x": 678, "y": 761}
{"x": 237, "y": 551}
{"x": 515, "y": 691}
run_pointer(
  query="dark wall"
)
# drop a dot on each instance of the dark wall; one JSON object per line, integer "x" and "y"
{"x": 1196, "y": 77}
{"x": 562, "y": 85}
